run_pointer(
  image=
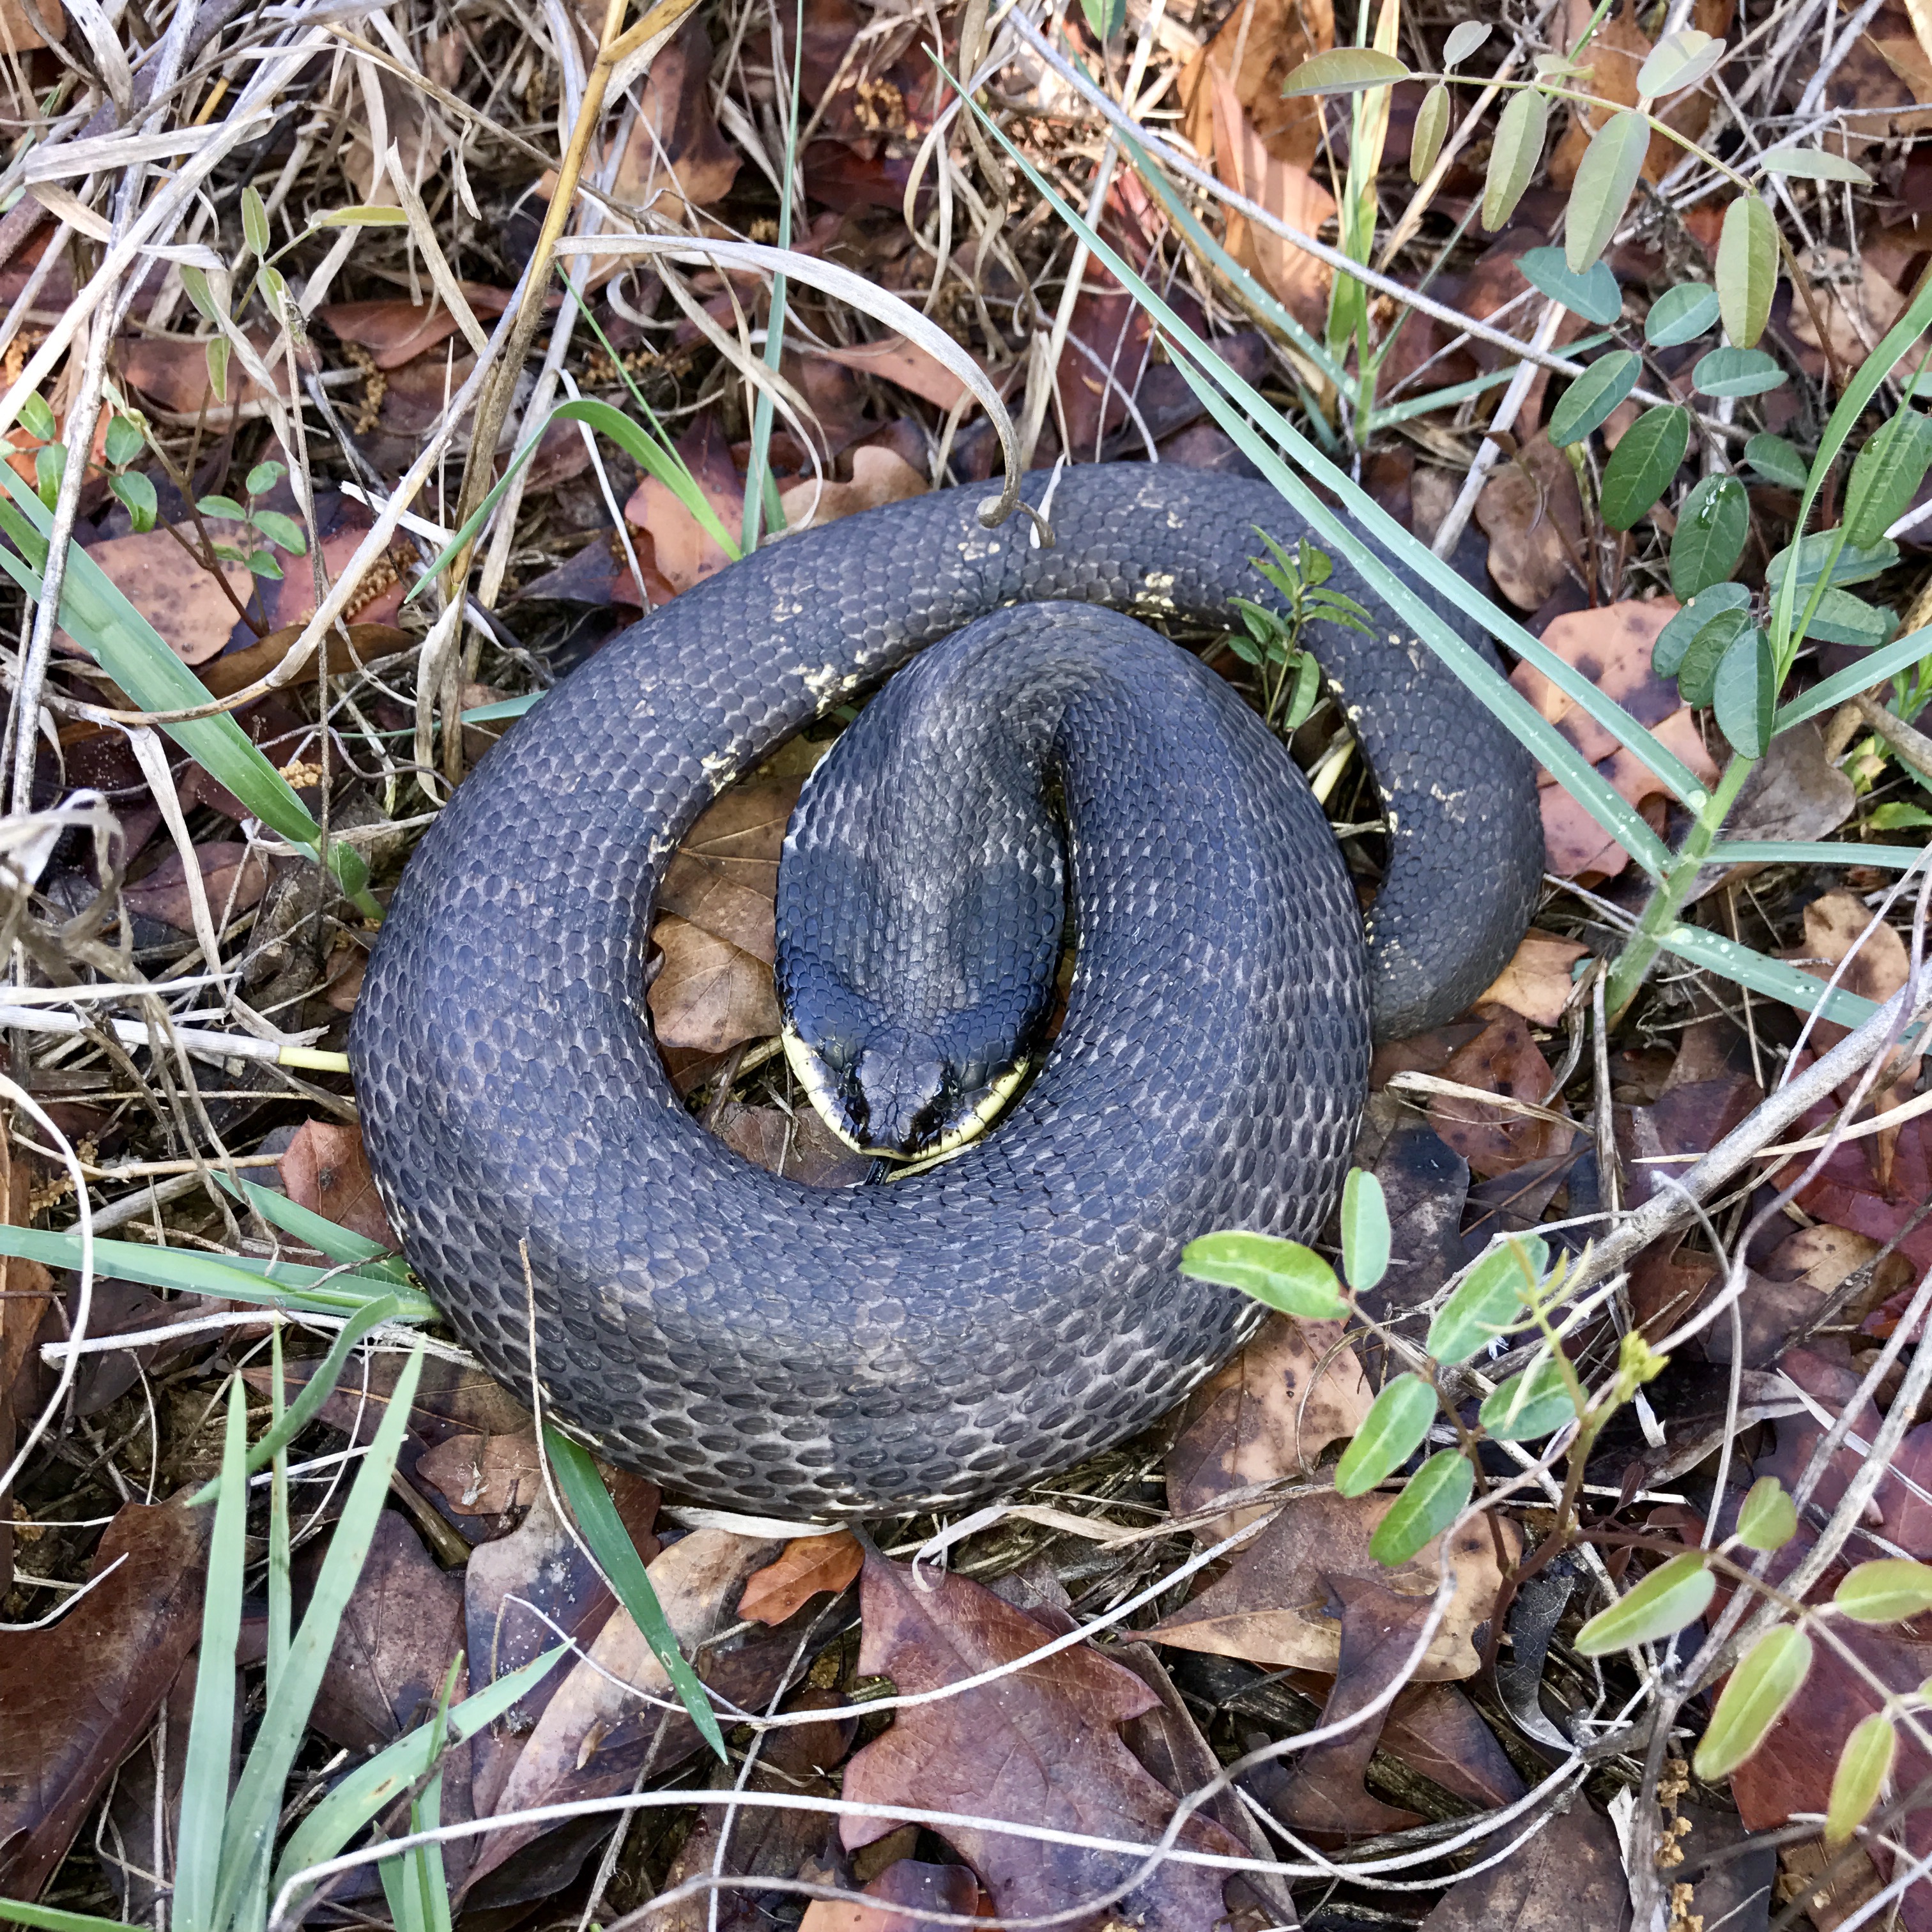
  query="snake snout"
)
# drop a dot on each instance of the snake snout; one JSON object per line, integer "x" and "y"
{"x": 900, "y": 1083}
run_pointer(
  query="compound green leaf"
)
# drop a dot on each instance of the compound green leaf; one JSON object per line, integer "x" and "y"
{"x": 1675, "y": 1594}
{"x": 1680, "y": 315}
{"x": 1464, "y": 39}
{"x": 1887, "y": 1591}
{"x": 1813, "y": 164}
{"x": 1864, "y": 1765}
{"x": 1606, "y": 179}
{"x": 1768, "y": 1676}
{"x": 1768, "y": 1518}
{"x": 1747, "y": 269}
{"x": 1712, "y": 526}
{"x": 1432, "y": 124}
{"x": 1365, "y": 1230}
{"x": 1885, "y": 476}
{"x": 1593, "y": 394}
{"x": 1744, "y": 694}
{"x": 1697, "y": 675}
{"x": 1393, "y": 1430}
{"x": 1514, "y": 155}
{"x": 1431, "y": 1500}
{"x": 1737, "y": 372}
{"x": 1489, "y": 1300}
{"x": 1283, "y": 1274}
{"x": 1344, "y": 70}
{"x": 1678, "y": 61}
{"x": 1530, "y": 1405}
{"x": 1776, "y": 460}
{"x": 1646, "y": 458}
{"x": 1596, "y": 296}
{"x": 1674, "y": 641}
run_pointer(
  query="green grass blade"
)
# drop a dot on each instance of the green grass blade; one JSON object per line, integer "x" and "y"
{"x": 285, "y": 1428}
{"x": 1811, "y": 852}
{"x": 1761, "y": 974}
{"x": 603, "y": 1529}
{"x": 1360, "y": 510}
{"x": 1461, "y": 392}
{"x": 257, "y": 1802}
{"x": 507, "y": 707}
{"x": 369, "y": 1787}
{"x": 281, "y": 1582}
{"x": 96, "y": 613}
{"x": 276, "y": 1284}
{"x": 211, "y": 1740}
{"x": 52, "y": 1918}
{"x": 329, "y": 1238}
{"x": 1901, "y": 654}
{"x": 415, "y": 1884}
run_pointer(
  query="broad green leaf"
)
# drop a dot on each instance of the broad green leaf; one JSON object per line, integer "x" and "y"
{"x": 1431, "y": 126}
{"x": 1712, "y": 525}
{"x": 589, "y": 1502}
{"x": 1853, "y": 564}
{"x": 123, "y": 442}
{"x": 1394, "y": 1428}
{"x": 1283, "y": 1274}
{"x": 1697, "y": 675}
{"x": 136, "y": 494}
{"x": 365, "y": 1790}
{"x": 1678, "y": 61}
{"x": 1606, "y": 179}
{"x": 263, "y": 564}
{"x": 50, "y": 466}
{"x": 211, "y": 1742}
{"x": 225, "y": 509}
{"x": 1344, "y": 70}
{"x": 1885, "y": 477}
{"x": 1645, "y": 460}
{"x": 1813, "y": 164}
{"x": 1744, "y": 696}
{"x": 255, "y": 219}
{"x": 1863, "y": 1766}
{"x": 1888, "y": 1591}
{"x": 1675, "y": 1594}
{"x": 1106, "y": 17}
{"x": 1776, "y": 460}
{"x": 264, "y": 477}
{"x": 1593, "y": 394}
{"x": 1465, "y": 38}
{"x": 1768, "y": 1518}
{"x": 1431, "y": 1500}
{"x": 1597, "y": 297}
{"x": 1531, "y": 1404}
{"x": 1894, "y": 817}
{"x": 1769, "y": 1675}
{"x": 1488, "y": 1301}
{"x": 1747, "y": 269}
{"x": 1674, "y": 640}
{"x": 363, "y": 215}
{"x": 37, "y": 418}
{"x": 1365, "y": 1230}
{"x": 1737, "y": 372}
{"x": 1842, "y": 619}
{"x": 284, "y": 532}
{"x": 216, "y": 355}
{"x": 248, "y": 1836}
{"x": 1514, "y": 155}
{"x": 1680, "y": 315}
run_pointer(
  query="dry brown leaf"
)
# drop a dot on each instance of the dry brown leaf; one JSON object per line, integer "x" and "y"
{"x": 1295, "y": 1388}
{"x": 1274, "y": 1607}
{"x": 879, "y": 476}
{"x": 799, "y": 1145}
{"x": 904, "y": 363}
{"x": 1568, "y": 1877}
{"x": 1856, "y": 303}
{"x": 395, "y": 331}
{"x": 710, "y": 996}
{"x": 25, "y": 1301}
{"x": 1298, "y": 280}
{"x": 904, "y": 1883}
{"x": 682, "y": 551}
{"x": 1532, "y": 512}
{"x": 1504, "y": 1060}
{"x": 19, "y": 31}
{"x": 1038, "y": 1746}
{"x": 414, "y": 128}
{"x": 1256, "y": 48}
{"x": 1611, "y": 645}
{"x": 1539, "y": 979}
{"x": 484, "y": 1475}
{"x": 233, "y": 877}
{"x": 326, "y": 1171}
{"x": 809, "y": 1565}
{"x": 172, "y": 371}
{"x": 183, "y": 601}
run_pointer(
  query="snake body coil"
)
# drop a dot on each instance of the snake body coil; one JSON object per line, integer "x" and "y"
{"x": 783, "y": 1349}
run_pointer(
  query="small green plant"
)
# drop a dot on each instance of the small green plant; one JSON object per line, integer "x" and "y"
{"x": 272, "y": 530}
{"x": 125, "y": 439}
{"x": 1291, "y": 678}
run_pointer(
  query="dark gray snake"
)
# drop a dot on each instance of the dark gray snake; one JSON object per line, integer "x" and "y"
{"x": 770, "y": 1347}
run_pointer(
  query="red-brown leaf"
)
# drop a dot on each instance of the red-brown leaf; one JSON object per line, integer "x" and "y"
{"x": 810, "y": 1564}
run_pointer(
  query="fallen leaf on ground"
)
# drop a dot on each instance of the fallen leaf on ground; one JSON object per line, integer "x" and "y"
{"x": 403, "y": 1625}
{"x": 1539, "y": 978}
{"x": 905, "y": 1883}
{"x": 904, "y": 363}
{"x": 1566, "y": 1877}
{"x": 326, "y": 1169}
{"x": 879, "y": 476}
{"x": 1856, "y": 950}
{"x": 1039, "y": 1746}
{"x": 799, "y": 1144}
{"x": 19, "y": 33}
{"x": 172, "y": 371}
{"x": 233, "y": 877}
{"x": 1611, "y": 645}
{"x": 1435, "y": 1728}
{"x": 182, "y": 601}
{"x": 810, "y": 1564}
{"x": 1299, "y": 281}
{"x": 1532, "y": 512}
{"x": 1273, "y": 1606}
{"x": 1256, "y": 48}
{"x": 1295, "y": 1388}
{"x": 724, "y": 876}
{"x": 484, "y": 1475}
{"x": 682, "y": 552}
{"x": 1856, "y": 304}
{"x": 25, "y": 1300}
{"x": 709, "y": 995}
{"x": 395, "y": 331}
{"x": 1504, "y": 1060}
{"x": 1794, "y": 791}
{"x": 76, "y": 1697}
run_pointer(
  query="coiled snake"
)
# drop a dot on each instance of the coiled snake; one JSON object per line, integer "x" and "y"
{"x": 779, "y": 1349}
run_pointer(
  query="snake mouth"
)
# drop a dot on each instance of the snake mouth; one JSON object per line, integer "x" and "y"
{"x": 955, "y": 1121}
